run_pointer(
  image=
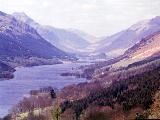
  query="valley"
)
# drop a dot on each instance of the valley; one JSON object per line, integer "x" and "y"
{"x": 49, "y": 73}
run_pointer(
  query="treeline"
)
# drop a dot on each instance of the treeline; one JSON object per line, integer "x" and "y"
{"x": 126, "y": 72}
{"x": 6, "y": 72}
{"x": 136, "y": 91}
{"x": 131, "y": 87}
{"x": 82, "y": 90}
{"x": 36, "y": 99}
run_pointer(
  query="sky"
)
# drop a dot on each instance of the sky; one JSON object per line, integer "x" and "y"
{"x": 96, "y": 17}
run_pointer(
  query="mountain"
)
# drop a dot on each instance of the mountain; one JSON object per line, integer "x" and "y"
{"x": 18, "y": 39}
{"x": 66, "y": 40}
{"x": 118, "y": 43}
{"x": 86, "y": 36}
{"x": 146, "y": 50}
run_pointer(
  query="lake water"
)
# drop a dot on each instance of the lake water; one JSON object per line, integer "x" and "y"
{"x": 26, "y": 79}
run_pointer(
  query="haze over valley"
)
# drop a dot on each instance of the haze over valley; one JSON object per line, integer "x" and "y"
{"x": 52, "y": 69}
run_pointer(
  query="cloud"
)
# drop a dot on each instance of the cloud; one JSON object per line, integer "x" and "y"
{"x": 89, "y": 7}
{"x": 46, "y": 4}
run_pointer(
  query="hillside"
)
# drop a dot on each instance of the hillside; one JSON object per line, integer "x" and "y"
{"x": 17, "y": 39}
{"x": 118, "y": 43}
{"x": 21, "y": 45}
{"x": 131, "y": 97}
{"x": 66, "y": 40}
{"x": 128, "y": 96}
{"x": 147, "y": 48}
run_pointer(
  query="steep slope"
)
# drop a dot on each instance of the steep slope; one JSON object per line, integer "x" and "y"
{"x": 122, "y": 97}
{"x": 17, "y": 39}
{"x": 147, "y": 48}
{"x": 63, "y": 39}
{"x": 117, "y": 44}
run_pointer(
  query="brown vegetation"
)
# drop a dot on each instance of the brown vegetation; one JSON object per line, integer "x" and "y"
{"x": 135, "y": 91}
{"x": 38, "y": 99}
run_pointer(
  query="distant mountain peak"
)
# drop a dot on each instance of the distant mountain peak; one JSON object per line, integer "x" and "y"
{"x": 61, "y": 38}
{"x": 146, "y": 23}
{"x": 18, "y": 39}
{"x": 155, "y": 20}
{"x": 140, "y": 25}
{"x": 129, "y": 37}
{"x": 21, "y": 16}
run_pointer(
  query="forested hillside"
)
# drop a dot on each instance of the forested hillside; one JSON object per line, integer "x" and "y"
{"x": 135, "y": 92}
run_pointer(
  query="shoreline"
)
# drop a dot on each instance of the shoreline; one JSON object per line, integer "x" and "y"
{"x": 52, "y": 70}
{"x": 11, "y": 73}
